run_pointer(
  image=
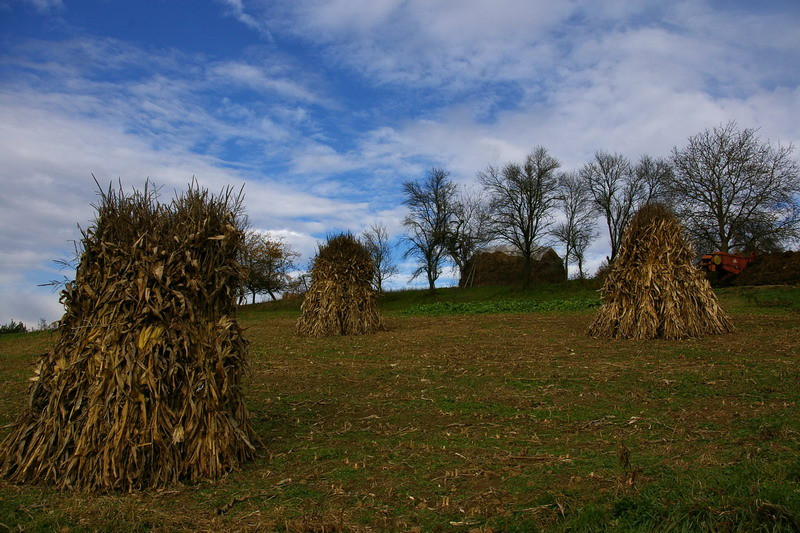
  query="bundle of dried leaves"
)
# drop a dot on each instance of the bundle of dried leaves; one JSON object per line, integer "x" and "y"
{"x": 142, "y": 388}
{"x": 341, "y": 300}
{"x": 653, "y": 290}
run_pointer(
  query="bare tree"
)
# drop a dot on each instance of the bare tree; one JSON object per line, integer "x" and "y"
{"x": 522, "y": 198}
{"x": 577, "y": 231}
{"x": 616, "y": 192}
{"x": 470, "y": 228}
{"x": 430, "y": 204}
{"x": 736, "y": 191}
{"x": 376, "y": 241}
{"x": 267, "y": 261}
{"x": 654, "y": 176}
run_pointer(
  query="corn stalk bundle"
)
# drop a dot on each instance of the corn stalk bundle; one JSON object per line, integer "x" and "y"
{"x": 341, "y": 300}
{"x": 653, "y": 290}
{"x": 143, "y": 386}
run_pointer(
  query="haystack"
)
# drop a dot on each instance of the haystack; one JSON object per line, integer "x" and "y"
{"x": 653, "y": 290}
{"x": 143, "y": 386}
{"x": 341, "y": 300}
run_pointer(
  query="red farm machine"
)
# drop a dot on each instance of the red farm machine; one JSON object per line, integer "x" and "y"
{"x": 724, "y": 263}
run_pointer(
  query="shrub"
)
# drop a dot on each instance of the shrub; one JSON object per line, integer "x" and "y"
{"x": 13, "y": 327}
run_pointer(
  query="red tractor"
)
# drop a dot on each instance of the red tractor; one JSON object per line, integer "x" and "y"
{"x": 725, "y": 263}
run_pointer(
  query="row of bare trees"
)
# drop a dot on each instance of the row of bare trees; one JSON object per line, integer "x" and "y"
{"x": 731, "y": 190}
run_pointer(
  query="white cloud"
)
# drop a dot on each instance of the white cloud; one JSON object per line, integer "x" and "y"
{"x": 320, "y": 159}
{"x": 258, "y": 79}
{"x": 303, "y": 243}
{"x": 630, "y": 77}
{"x": 28, "y": 305}
{"x": 58, "y": 134}
{"x": 46, "y": 6}
{"x": 235, "y": 8}
{"x": 430, "y": 43}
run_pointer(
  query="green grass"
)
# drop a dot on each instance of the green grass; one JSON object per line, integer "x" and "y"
{"x": 512, "y": 421}
{"x": 404, "y": 299}
{"x": 770, "y": 297}
{"x": 501, "y": 306}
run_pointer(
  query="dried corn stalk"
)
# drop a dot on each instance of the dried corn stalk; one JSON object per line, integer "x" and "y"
{"x": 653, "y": 290}
{"x": 143, "y": 386}
{"x": 341, "y": 300}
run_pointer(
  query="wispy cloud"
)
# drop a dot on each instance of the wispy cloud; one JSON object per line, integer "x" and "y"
{"x": 258, "y": 79}
{"x": 46, "y": 6}
{"x": 119, "y": 112}
{"x": 236, "y": 9}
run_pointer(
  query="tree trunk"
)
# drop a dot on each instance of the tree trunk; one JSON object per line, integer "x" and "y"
{"x": 724, "y": 244}
{"x": 271, "y": 295}
{"x": 462, "y": 276}
{"x": 254, "y": 296}
{"x": 526, "y": 272}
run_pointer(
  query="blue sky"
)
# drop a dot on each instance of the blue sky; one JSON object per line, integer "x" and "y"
{"x": 323, "y": 109}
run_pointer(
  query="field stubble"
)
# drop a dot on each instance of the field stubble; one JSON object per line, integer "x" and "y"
{"x": 496, "y": 422}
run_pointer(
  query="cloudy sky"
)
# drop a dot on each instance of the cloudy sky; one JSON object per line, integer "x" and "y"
{"x": 323, "y": 108}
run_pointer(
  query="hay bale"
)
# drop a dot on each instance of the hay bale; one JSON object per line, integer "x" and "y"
{"x": 341, "y": 300}
{"x": 653, "y": 290}
{"x": 143, "y": 386}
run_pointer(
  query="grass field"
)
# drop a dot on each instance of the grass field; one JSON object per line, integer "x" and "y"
{"x": 482, "y": 421}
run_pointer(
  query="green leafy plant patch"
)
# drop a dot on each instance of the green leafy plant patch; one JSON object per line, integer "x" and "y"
{"x": 520, "y": 306}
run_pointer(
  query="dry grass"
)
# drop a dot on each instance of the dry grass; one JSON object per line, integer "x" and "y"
{"x": 143, "y": 385}
{"x": 341, "y": 300}
{"x": 653, "y": 290}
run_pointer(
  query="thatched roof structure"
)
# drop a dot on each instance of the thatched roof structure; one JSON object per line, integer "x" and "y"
{"x": 503, "y": 265}
{"x": 653, "y": 290}
{"x": 142, "y": 388}
{"x": 777, "y": 268}
{"x": 341, "y": 300}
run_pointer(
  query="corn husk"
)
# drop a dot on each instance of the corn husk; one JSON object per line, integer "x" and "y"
{"x": 341, "y": 300}
{"x": 143, "y": 386}
{"x": 653, "y": 289}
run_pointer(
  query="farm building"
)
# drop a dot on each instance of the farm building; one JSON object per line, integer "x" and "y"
{"x": 503, "y": 265}
{"x": 779, "y": 268}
